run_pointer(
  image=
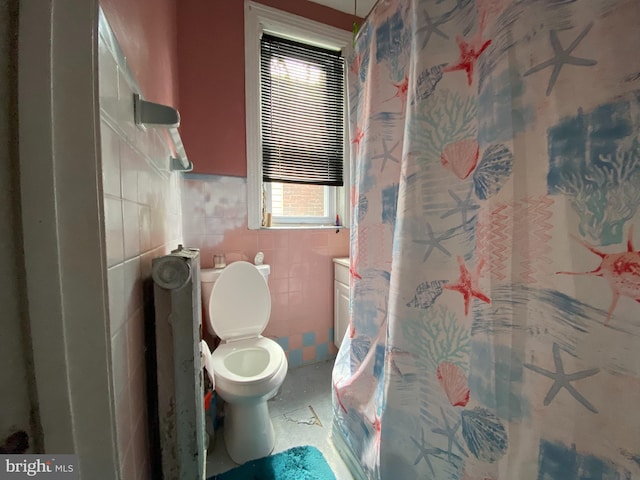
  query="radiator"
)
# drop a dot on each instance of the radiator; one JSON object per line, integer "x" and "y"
{"x": 179, "y": 433}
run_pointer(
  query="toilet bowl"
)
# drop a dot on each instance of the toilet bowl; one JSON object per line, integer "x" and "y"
{"x": 248, "y": 368}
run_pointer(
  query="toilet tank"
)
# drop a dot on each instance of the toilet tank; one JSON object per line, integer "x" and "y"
{"x": 208, "y": 277}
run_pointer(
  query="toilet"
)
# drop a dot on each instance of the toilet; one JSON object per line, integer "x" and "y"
{"x": 248, "y": 368}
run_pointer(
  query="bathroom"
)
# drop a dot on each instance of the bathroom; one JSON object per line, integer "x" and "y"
{"x": 179, "y": 58}
{"x": 214, "y": 208}
{"x": 172, "y": 52}
{"x": 212, "y": 200}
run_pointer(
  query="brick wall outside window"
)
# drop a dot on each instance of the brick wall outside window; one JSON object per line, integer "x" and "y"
{"x": 291, "y": 199}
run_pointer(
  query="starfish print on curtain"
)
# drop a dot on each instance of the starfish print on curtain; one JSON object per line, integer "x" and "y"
{"x": 563, "y": 380}
{"x": 468, "y": 284}
{"x": 562, "y": 56}
{"x": 469, "y": 54}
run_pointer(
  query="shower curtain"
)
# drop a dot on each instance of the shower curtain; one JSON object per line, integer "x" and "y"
{"x": 495, "y": 272}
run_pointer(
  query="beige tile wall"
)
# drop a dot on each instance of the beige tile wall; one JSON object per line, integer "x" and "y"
{"x": 142, "y": 214}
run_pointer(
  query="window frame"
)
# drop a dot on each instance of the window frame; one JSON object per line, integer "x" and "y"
{"x": 259, "y": 18}
{"x": 330, "y": 206}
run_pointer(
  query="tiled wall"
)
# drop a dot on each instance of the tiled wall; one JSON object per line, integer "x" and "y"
{"x": 214, "y": 212}
{"x": 142, "y": 221}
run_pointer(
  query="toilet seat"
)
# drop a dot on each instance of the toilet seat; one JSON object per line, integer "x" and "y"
{"x": 235, "y": 315}
{"x": 222, "y": 360}
{"x": 245, "y": 357}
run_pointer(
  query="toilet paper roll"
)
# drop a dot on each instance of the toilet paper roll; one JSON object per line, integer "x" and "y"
{"x": 206, "y": 361}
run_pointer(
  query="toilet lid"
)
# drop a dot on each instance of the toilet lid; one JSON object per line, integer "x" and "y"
{"x": 240, "y": 303}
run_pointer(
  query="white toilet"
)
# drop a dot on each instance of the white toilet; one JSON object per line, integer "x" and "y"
{"x": 248, "y": 368}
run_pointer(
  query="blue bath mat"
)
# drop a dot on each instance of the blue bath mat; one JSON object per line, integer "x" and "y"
{"x": 298, "y": 463}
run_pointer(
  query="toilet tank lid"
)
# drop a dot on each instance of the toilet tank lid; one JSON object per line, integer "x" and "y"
{"x": 212, "y": 274}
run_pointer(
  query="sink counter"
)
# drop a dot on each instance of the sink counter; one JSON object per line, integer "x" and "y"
{"x": 342, "y": 261}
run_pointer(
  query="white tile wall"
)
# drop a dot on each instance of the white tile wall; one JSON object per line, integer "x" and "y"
{"x": 110, "y": 160}
{"x": 142, "y": 212}
{"x": 113, "y": 230}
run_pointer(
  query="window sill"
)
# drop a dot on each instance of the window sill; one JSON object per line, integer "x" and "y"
{"x": 304, "y": 227}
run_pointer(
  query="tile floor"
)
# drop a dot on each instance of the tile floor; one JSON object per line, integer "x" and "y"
{"x": 301, "y": 413}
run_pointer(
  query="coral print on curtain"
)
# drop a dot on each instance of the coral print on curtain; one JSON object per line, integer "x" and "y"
{"x": 495, "y": 268}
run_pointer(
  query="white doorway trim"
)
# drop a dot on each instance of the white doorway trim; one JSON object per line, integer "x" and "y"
{"x": 64, "y": 239}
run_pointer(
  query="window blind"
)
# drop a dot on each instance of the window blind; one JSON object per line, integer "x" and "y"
{"x": 302, "y": 112}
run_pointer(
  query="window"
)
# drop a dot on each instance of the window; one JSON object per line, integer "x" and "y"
{"x": 297, "y": 154}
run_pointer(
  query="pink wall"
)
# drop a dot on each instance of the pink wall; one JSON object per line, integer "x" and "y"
{"x": 147, "y": 33}
{"x": 211, "y": 65}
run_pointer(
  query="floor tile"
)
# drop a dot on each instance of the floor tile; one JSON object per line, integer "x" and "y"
{"x": 301, "y": 413}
